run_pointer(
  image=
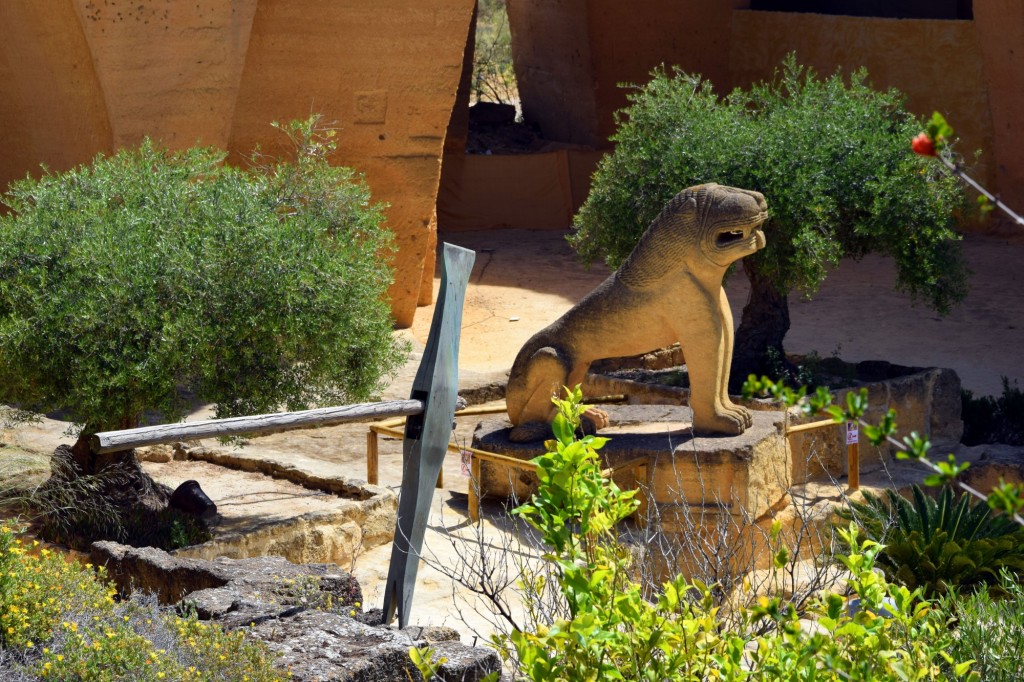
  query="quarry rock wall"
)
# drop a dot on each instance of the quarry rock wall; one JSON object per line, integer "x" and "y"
{"x": 79, "y": 77}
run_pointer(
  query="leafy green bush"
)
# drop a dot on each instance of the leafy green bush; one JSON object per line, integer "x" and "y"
{"x": 994, "y": 420}
{"x": 955, "y": 541}
{"x": 989, "y": 630}
{"x": 151, "y": 278}
{"x": 59, "y": 620}
{"x": 611, "y": 631}
{"x": 833, "y": 160}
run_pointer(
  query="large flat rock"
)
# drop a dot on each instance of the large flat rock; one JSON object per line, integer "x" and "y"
{"x": 311, "y": 615}
{"x": 292, "y": 507}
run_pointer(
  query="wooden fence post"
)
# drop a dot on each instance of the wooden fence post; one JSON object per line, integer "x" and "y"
{"x": 475, "y": 474}
{"x": 372, "y": 463}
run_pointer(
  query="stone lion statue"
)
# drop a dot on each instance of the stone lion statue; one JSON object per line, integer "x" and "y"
{"x": 669, "y": 290}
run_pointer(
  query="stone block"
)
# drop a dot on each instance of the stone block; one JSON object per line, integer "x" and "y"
{"x": 283, "y": 504}
{"x": 714, "y": 544}
{"x": 749, "y": 473}
{"x": 172, "y": 577}
{"x": 317, "y": 646}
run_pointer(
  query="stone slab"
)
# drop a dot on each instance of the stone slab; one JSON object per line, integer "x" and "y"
{"x": 310, "y": 616}
{"x": 747, "y": 474}
{"x": 302, "y": 515}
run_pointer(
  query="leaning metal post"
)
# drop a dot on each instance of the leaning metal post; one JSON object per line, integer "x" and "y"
{"x": 427, "y": 434}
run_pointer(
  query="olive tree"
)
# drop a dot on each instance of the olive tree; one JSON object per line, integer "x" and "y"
{"x": 833, "y": 159}
{"x": 152, "y": 278}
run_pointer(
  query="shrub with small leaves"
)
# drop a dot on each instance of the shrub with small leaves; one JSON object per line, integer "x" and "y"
{"x": 989, "y": 629}
{"x": 37, "y": 586}
{"x": 152, "y": 278}
{"x": 994, "y": 419}
{"x": 831, "y": 156}
{"x": 60, "y": 620}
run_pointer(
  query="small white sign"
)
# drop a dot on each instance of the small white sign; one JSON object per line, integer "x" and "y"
{"x": 467, "y": 463}
{"x": 852, "y": 433}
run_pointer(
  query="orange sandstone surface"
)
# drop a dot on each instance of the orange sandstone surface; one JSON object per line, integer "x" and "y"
{"x": 78, "y": 77}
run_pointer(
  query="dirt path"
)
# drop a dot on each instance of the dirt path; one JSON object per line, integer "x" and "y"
{"x": 523, "y": 280}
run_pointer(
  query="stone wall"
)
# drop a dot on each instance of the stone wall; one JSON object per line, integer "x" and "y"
{"x": 630, "y": 39}
{"x": 1000, "y": 27}
{"x": 78, "y": 77}
{"x": 554, "y": 69}
{"x": 571, "y": 55}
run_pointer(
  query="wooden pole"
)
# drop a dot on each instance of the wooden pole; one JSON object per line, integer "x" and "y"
{"x": 853, "y": 454}
{"x": 371, "y": 457}
{"x": 853, "y": 465}
{"x": 115, "y": 441}
{"x": 800, "y": 428}
{"x": 476, "y": 472}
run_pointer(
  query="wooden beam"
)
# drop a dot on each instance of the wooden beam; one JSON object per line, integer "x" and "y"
{"x": 476, "y": 474}
{"x": 811, "y": 426}
{"x": 114, "y": 441}
{"x": 371, "y": 458}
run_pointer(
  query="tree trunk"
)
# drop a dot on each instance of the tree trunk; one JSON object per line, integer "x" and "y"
{"x": 763, "y": 325}
{"x": 82, "y": 456}
{"x": 88, "y": 463}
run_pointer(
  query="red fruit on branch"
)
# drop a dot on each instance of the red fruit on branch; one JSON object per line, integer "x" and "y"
{"x": 923, "y": 145}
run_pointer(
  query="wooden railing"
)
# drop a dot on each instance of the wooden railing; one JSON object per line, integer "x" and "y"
{"x": 852, "y": 448}
{"x": 641, "y": 465}
{"x": 115, "y": 441}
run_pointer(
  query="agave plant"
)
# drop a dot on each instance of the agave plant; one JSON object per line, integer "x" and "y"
{"x": 951, "y": 541}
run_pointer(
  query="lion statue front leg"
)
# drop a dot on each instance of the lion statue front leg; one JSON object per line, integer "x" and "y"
{"x": 708, "y": 337}
{"x": 726, "y": 364}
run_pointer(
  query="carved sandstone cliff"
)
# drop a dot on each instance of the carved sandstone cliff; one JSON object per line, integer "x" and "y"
{"x": 81, "y": 77}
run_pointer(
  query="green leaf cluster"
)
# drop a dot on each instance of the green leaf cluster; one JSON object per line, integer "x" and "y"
{"x": 613, "y": 631}
{"x": 998, "y": 652}
{"x": 579, "y": 508}
{"x": 938, "y": 544}
{"x": 832, "y": 156}
{"x": 151, "y": 277}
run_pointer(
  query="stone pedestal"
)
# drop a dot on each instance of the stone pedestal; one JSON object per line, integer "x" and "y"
{"x": 712, "y": 498}
{"x": 747, "y": 474}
